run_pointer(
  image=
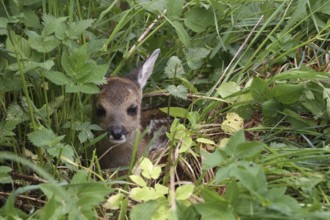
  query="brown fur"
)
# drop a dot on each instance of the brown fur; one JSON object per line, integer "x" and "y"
{"x": 119, "y": 104}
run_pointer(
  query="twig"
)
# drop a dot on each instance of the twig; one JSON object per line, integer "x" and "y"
{"x": 34, "y": 179}
{"x": 4, "y": 194}
{"x": 144, "y": 34}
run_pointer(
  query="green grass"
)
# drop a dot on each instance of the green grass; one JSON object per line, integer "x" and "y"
{"x": 264, "y": 62}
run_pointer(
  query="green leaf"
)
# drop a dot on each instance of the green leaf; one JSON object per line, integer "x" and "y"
{"x": 184, "y": 192}
{"x": 214, "y": 159}
{"x": 214, "y": 211}
{"x": 53, "y": 25}
{"x": 149, "y": 171}
{"x": 259, "y": 89}
{"x": 176, "y": 112}
{"x": 75, "y": 63}
{"x": 138, "y": 180}
{"x": 143, "y": 194}
{"x": 87, "y": 88}
{"x": 228, "y": 88}
{"x": 174, "y": 67}
{"x": 287, "y": 93}
{"x": 178, "y": 91}
{"x": 44, "y": 137}
{"x": 234, "y": 141}
{"x": 174, "y": 8}
{"x": 195, "y": 57}
{"x": 270, "y": 108}
{"x": 30, "y": 18}
{"x": 248, "y": 149}
{"x": 198, "y": 19}
{"x": 75, "y": 29}
{"x": 144, "y": 211}
{"x": 57, "y": 78}
{"x": 155, "y": 6}
{"x": 43, "y": 44}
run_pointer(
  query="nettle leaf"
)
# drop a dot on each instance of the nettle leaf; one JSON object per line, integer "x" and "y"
{"x": 62, "y": 151}
{"x": 174, "y": 8}
{"x": 57, "y": 78}
{"x": 53, "y": 25}
{"x": 195, "y": 57}
{"x": 144, "y": 211}
{"x": 287, "y": 93}
{"x": 178, "y": 91}
{"x": 214, "y": 159}
{"x": 234, "y": 141}
{"x": 75, "y": 29}
{"x": 184, "y": 192}
{"x": 149, "y": 171}
{"x": 259, "y": 90}
{"x": 174, "y": 67}
{"x": 75, "y": 63}
{"x": 198, "y": 19}
{"x": 44, "y": 137}
{"x": 43, "y": 44}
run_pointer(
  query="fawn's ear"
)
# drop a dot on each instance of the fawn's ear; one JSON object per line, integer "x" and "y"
{"x": 142, "y": 73}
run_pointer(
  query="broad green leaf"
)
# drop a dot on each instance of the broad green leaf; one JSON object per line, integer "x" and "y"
{"x": 233, "y": 142}
{"x": 174, "y": 67}
{"x": 178, "y": 91}
{"x": 65, "y": 152}
{"x": 214, "y": 211}
{"x": 259, "y": 89}
{"x": 184, "y": 192}
{"x": 43, "y": 44}
{"x": 75, "y": 63}
{"x": 83, "y": 88}
{"x": 176, "y": 112}
{"x": 248, "y": 149}
{"x": 143, "y": 194}
{"x": 174, "y": 8}
{"x": 270, "y": 108}
{"x": 287, "y": 93}
{"x": 228, "y": 88}
{"x": 57, "y": 78}
{"x": 144, "y": 211}
{"x": 138, "y": 180}
{"x": 195, "y": 57}
{"x": 30, "y": 18}
{"x": 114, "y": 202}
{"x": 161, "y": 190}
{"x": 80, "y": 177}
{"x": 210, "y": 160}
{"x": 198, "y": 19}
{"x": 30, "y": 65}
{"x": 149, "y": 171}
{"x": 155, "y": 6}
{"x": 75, "y": 29}
{"x": 44, "y": 137}
{"x": 54, "y": 25}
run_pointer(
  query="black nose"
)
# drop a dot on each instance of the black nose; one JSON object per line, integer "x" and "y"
{"x": 117, "y": 132}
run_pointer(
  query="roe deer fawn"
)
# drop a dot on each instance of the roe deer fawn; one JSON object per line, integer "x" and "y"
{"x": 118, "y": 111}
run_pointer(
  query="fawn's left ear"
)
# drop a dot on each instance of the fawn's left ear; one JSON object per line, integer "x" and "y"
{"x": 142, "y": 73}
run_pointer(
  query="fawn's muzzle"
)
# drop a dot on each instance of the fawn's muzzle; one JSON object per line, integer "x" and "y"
{"x": 117, "y": 134}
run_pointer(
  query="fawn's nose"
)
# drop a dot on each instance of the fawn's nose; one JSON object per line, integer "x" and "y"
{"x": 117, "y": 134}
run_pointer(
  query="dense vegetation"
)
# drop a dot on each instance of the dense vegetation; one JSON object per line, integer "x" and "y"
{"x": 248, "y": 79}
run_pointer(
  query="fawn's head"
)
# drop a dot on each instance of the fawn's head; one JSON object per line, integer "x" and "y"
{"x": 118, "y": 106}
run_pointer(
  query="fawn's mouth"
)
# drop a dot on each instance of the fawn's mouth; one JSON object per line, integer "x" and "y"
{"x": 115, "y": 140}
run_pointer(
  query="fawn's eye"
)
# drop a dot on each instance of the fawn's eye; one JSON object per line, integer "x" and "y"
{"x": 132, "y": 110}
{"x": 100, "y": 112}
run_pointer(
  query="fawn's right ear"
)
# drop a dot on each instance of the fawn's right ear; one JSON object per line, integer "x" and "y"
{"x": 142, "y": 73}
